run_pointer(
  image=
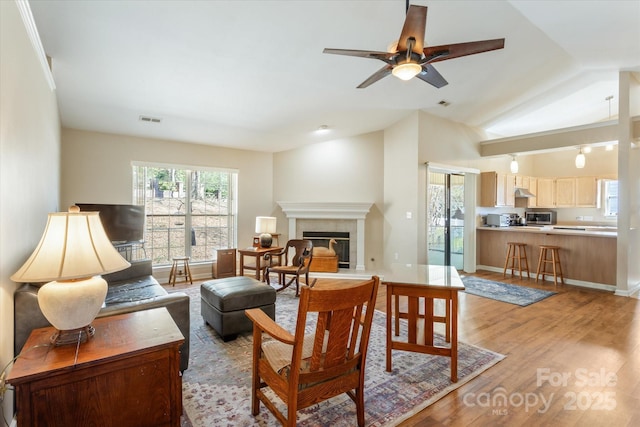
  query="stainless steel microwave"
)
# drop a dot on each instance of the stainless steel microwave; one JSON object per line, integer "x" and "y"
{"x": 498, "y": 220}
{"x": 542, "y": 218}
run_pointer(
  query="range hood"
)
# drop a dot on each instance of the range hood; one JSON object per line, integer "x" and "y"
{"x": 523, "y": 192}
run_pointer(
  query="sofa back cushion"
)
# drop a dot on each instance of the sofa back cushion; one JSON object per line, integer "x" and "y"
{"x": 138, "y": 268}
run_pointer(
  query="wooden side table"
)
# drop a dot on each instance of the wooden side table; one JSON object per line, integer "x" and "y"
{"x": 426, "y": 282}
{"x": 128, "y": 374}
{"x": 258, "y": 254}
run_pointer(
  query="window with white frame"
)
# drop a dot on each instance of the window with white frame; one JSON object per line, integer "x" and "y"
{"x": 190, "y": 211}
{"x": 610, "y": 193}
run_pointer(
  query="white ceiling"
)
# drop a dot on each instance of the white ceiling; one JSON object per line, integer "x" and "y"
{"x": 252, "y": 75}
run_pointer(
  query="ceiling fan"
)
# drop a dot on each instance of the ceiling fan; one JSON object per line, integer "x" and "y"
{"x": 411, "y": 59}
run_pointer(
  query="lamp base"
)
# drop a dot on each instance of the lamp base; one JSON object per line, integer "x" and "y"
{"x": 72, "y": 336}
{"x": 265, "y": 240}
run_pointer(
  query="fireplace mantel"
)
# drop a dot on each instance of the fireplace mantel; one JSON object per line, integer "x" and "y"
{"x": 330, "y": 210}
{"x": 322, "y": 210}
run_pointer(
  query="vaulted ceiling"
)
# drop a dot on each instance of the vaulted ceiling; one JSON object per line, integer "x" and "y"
{"x": 252, "y": 75}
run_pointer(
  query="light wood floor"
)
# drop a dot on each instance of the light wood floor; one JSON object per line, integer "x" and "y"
{"x": 572, "y": 360}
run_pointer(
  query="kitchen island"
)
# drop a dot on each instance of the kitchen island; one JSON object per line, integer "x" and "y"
{"x": 587, "y": 254}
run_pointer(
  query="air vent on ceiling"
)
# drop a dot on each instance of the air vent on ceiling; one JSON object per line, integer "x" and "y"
{"x": 150, "y": 119}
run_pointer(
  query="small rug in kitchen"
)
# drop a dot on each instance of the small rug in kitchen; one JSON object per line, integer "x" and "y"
{"x": 513, "y": 294}
{"x": 217, "y": 385}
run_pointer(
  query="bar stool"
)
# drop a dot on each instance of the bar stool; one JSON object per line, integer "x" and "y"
{"x": 516, "y": 251}
{"x": 186, "y": 271}
{"x": 554, "y": 261}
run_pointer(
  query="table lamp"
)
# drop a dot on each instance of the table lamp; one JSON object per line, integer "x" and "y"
{"x": 72, "y": 254}
{"x": 265, "y": 225}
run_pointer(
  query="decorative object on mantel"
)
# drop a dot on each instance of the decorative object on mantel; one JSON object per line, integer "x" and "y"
{"x": 266, "y": 226}
{"x": 72, "y": 254}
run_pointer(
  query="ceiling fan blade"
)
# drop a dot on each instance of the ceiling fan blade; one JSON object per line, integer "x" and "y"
{"x": 450, "y": 51}
{"x": 383, "y": 56}
{"x": 382, "y": 72}
{"x": 414, "y": 26}
{"x": 430, "y": 75}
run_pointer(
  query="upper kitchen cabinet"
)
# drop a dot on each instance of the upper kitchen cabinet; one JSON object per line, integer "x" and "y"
{"x": 546, "y": 193}
{"x": 565, "y": 192}
{"x": 586, "y": 192}
{"x": 532, "y": 202}
{"x": 497, "y": 189}
{"x": 578, "y": 192}
{"x": 568, "y": 192}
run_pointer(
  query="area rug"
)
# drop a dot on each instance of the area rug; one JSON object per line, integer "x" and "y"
{"x": 217, "y": 385}
{"x": 513, "y": 294}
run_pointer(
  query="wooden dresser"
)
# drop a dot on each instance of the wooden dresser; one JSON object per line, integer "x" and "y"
{"x": 128, "y": 374}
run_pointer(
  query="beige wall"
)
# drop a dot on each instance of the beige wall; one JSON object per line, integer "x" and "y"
{"x": 29, "y": 163}
{"x": 401, "y": 198}
{"x": 344, "y": 170}
{"x": 97, "y": 169}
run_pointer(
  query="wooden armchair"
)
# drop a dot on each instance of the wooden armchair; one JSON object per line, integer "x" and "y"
{"x": 297, "y": 266}
{"x": 308, "y": 367}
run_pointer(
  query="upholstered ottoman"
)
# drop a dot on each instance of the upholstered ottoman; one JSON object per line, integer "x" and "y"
{"x": 223, "y": 302}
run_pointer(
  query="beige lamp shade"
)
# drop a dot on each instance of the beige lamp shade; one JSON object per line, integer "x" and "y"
{"x": 73, "y": 252}
{"x": 265, "y": 224}
{"x": 74, "y": 245}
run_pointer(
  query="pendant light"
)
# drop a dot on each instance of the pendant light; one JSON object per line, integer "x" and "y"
{"x": 514, "y": 165}
{"x": 580, "y": 159}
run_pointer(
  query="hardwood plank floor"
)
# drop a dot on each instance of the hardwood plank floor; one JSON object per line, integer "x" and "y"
{"x": 572, "y": 360}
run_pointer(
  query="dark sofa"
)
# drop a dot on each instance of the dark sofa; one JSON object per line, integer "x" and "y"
{"x": 131, "y": 289}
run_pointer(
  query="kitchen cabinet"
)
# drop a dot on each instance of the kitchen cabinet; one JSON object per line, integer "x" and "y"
{"x": 580, "y": 192}
{"x": 586, "y": 192}
{"x": 532, "y": 202}
{"x": 545, "y": 196}
{"x": 565, "y": 192}
{"x": 497, "y": 189}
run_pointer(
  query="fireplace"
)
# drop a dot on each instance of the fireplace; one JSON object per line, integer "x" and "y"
{"x": 330, "y": 217}
{"x": 321, "y": 238}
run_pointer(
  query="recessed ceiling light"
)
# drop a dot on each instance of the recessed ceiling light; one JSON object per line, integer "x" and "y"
{"x": 322, "y": 129}
{"x": 586, "y": 149}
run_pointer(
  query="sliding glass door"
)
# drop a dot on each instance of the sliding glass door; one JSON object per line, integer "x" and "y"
{"x": 445, "y": 219}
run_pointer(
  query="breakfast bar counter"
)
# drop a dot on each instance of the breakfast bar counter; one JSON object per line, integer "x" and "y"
{"x": 587, "y": 254}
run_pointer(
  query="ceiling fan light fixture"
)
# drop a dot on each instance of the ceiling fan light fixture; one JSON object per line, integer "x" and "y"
{"x": 406, "y": 71}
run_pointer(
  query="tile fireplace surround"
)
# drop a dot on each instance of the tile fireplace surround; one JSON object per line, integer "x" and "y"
{"x": 330, "y": 216}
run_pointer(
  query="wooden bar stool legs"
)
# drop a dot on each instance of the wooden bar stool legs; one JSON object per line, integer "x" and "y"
{"x": 516, "y": 251}
{"x": 554, "y": 261}
{"x": 175, "y": 271}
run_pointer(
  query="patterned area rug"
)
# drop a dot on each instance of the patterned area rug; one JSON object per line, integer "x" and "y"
{"x": 217, "y": 385}
{"x": 513, "y": 294}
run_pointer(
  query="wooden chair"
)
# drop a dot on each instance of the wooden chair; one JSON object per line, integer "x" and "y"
{"x": 308, "y": 367}
{"x": 297, "y": 266}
